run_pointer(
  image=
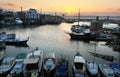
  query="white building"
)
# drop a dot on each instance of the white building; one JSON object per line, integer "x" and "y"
{"x": 32, "y": 14}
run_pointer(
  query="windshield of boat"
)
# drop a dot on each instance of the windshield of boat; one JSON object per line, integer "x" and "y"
{"x": 32, "y": 66}
{"x": 79, "y": 65}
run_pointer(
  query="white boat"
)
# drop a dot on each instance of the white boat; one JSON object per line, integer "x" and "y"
{"x": 7, "y": 65}
{"x": 33, "y": 63}
{"x": 18, "y": 21}
{"x": 78, "y": 66}
{"x": 92, "y": 67}
{"x": 49, "y": 64}
{"x": 106, "y": 71}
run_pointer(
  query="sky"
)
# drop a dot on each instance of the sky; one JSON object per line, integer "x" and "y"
{"x": 70, "y": 7}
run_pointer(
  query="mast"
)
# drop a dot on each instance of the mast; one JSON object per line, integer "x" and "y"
{"x": 78, "y": 16}
{"x": 94, "y": 51}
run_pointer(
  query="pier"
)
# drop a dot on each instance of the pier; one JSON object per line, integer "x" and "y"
{"x": 110, "y": 19}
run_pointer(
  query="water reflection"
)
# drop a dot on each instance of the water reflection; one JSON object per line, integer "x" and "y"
{"x": 52, "y": 38}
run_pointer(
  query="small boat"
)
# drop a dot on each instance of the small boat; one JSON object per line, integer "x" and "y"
{"x": 2, "y": 45}
{"x": 33, "y": 63}
{"x": 2, "y": 52}
{"x": 7, "y": 65}
{"x": 62, "y": 67}
{"x": 106, "y": 71}
{"x": 11, "y": 39}
{"x": 18, "y": 21}
{"x": 18, "y": 68}
{"x": 78, "y": 66}
{"x": 49, "y": 65}
{"x": 116, "y": 68}
{"x": 92, "y": 67}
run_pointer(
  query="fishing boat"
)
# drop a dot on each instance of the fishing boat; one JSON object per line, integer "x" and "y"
{"x": 92, "y": 67}
{"x": 116, "y": 68}
{"x": 62, "y": 67}
{"x": 11, "y": 39}
{"x": 78, "y": 65}
{"x": 18, "y": 68}
{"x": 81, "y": 32}
{"x": 49, "y": 65}
{"x": 106, "y": 70}
{"x": 7, "y": 65}
{"x": 33, "y": 63}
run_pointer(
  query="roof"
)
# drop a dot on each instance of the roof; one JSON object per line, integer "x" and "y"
{"x": 31, "y": 60}
{"x": 79, "y": 59}
{"x": 35, "y": 53}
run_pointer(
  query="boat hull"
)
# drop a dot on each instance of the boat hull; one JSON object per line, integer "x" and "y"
{"x": 87, "y": 37}
{"x": 24, "y": 42}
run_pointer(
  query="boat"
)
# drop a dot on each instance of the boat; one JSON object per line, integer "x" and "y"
{"x": 18, "y": 68}
{"x": 2, "y": 45}
{"x": 92, "y": 67}
{"x": 116, "y": 68}
{"x": 2, "y": 52}
{"x": 116, "y": 31}
{"x": 78, "y": 65}
{"x": 33, "y": 63}
{"x": 62, "y": 67}
{"x": 18, "y": 21}
{"x": 81, "y": 32}
{"x": 106, "y": 70}
{"x": 49, "y": 65}
{"x": 11, "y": 39}
{"x": 7, "y": 65}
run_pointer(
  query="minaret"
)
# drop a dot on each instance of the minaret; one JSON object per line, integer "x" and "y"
{"x": 21, "y": 8}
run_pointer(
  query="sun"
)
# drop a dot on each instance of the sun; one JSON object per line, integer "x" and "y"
{"x": 69, "y": 10}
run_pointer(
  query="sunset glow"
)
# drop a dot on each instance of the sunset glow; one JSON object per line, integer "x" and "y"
{"x": 88, "y": 7}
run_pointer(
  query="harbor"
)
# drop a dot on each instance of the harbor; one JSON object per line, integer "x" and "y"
{"x": 54, "y": 39}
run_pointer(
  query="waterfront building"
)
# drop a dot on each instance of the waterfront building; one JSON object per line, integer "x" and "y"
{"x": 32, "y": 14}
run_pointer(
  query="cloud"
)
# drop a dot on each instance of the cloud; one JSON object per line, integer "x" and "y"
{"x": 118, "y": 9}
{"x": 113, "y": 9}
{"x": 109, "y": 9}
{"x": 10, "y": 4}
